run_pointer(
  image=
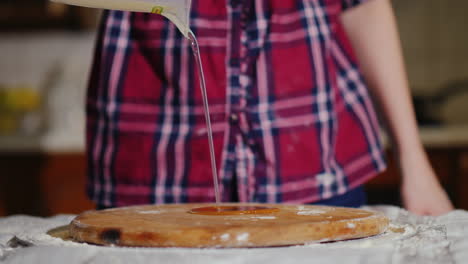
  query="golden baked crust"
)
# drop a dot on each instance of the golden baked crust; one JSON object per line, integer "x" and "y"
{"x": 173, "y": 226}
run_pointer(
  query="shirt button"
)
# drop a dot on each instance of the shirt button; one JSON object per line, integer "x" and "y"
{"x": 233, "y": 118}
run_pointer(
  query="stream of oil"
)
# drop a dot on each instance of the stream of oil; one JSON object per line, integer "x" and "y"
{"x": 198, "y": 64}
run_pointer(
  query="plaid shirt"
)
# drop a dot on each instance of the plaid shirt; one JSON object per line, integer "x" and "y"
{"x": 292, "y": 118}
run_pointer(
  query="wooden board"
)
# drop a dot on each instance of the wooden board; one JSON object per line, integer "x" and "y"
{"x": 173, "y": 226}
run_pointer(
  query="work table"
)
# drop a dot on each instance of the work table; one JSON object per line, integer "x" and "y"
{"x": 425, "y": 240}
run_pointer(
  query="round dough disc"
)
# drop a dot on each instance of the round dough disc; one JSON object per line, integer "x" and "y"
{"x": 173, "y": 225}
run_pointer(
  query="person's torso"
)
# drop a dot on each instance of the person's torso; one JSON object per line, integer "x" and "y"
{"x": 291, "y": 116}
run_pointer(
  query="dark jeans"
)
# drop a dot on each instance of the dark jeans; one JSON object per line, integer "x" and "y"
{"x": 354, "y": 198}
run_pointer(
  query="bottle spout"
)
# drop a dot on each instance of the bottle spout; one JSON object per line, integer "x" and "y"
{"x": 180, "y": 19}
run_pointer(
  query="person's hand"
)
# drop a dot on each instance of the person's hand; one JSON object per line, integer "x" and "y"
{"x": 421, "y": 191}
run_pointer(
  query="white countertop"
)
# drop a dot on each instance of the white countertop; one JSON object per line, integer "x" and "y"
{"x": 445, "y": 136}
{"x": 425, "y": 240}
{"x": 46, "y": 144}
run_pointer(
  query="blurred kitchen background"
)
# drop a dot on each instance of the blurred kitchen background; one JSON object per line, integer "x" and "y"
{"x": 45, "y": 55}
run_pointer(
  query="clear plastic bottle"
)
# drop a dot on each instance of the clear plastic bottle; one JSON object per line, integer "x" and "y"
{"x": 177, "y": 11}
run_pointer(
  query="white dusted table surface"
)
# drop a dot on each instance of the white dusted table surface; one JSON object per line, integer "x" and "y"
{"x": 441, "y": 239}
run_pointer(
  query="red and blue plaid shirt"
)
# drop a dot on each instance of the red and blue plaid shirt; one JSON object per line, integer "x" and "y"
{"x": 292, "y": 118}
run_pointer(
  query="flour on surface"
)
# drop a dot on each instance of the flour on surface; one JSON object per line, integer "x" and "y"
{"x": 311, "y": 212}
{"x": 304, "y": 210}
{"x": 150, "y": 212}
{"x": 225, "y": 237}
{"x": 264, "y": 217}
{"x": 243, "y": 237}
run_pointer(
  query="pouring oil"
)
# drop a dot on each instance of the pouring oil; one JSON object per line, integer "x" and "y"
{"x": 198, "y": 64}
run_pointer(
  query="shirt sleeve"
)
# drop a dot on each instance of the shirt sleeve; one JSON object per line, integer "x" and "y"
{"x": 346, "y": 4}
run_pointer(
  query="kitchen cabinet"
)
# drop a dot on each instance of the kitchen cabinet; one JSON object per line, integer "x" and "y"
{"x": 43, "y": 184}
{"x": 450, "y": 164}
{"x": 48, "y": 184}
